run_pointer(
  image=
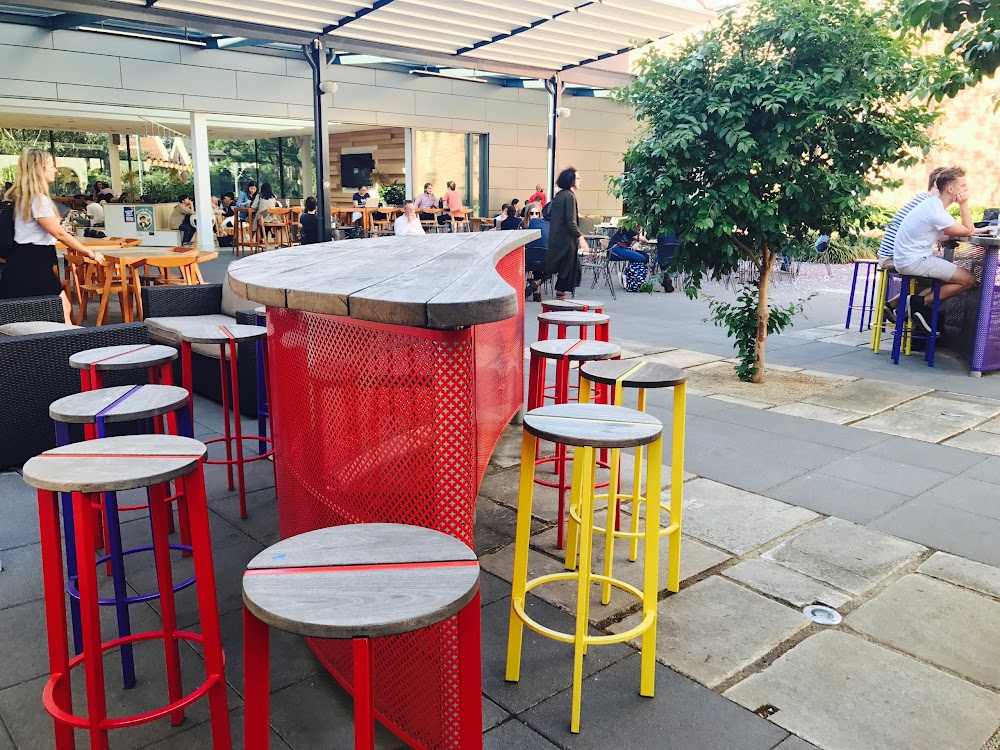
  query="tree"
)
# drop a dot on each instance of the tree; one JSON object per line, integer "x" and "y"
{"x": 973, "y": 50}
{"x": 771, "y": 123}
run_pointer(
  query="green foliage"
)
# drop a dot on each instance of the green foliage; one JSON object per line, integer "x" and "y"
{"x": 973, "y": 49}
{"x": 163, "y": 186}
{"x": 842, "y": 249}
{"x": 977, "y": 211}
{"x": 393, "y": 195}
{"x": 770, "y": 124}
{"x": 740, "y": 319}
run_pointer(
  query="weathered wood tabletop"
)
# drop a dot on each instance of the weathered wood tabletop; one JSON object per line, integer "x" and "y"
{"x": 593, "y": 425}
{"x": 435, "y": 281}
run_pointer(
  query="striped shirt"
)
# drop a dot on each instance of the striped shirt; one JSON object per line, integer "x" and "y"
{"x": 888, "y": 244}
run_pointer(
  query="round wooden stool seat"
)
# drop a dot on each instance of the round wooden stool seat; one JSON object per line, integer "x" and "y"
{"x": 634, "y": 374}
{"x": 260, "y": 311}
{"x": 114, "y": 464}
{"x": 121, "y": 403}
{"x": 575, "y": 350}
{"x": 574, "y": 318}
{"x": 223, "y": 334}
{"x": 570, "y": 305}
{"x": 593, "y": 425}
{"x": 126, "y": 357}
{"x": 361, "y": 581}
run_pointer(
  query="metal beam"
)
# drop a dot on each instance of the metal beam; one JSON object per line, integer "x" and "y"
{"x": 72, "y": 21}
{"x": 231, "y": 42}
{"x": 360, "y": 14}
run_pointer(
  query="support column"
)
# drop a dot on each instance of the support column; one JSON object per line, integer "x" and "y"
{"x": 304, "y": 144}
{"x": 114, "y": 164}
{"x": 412, "y": 191}
{"x": 555, "y": 87}
{"x": 202, "y": 181}
{"x": 316, "y": 55}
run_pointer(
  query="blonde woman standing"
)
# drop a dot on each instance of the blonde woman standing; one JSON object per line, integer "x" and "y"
{"x": 31, "y": 265}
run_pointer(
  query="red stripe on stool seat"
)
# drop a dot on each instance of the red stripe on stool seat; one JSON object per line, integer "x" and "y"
{"x": 353, "y": 568}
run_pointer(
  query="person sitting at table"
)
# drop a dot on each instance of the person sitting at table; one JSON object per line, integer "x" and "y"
{"x": 408, "y": 222}
{"x": 309, "y": 223}
{"x": 227, "y": 207}
{"x": 498, "y": 219}
{"x": 360, "y": 200}
{"x": 31, "y": 263}
{"x": 512, "y": 221}
{"x": 534, "y": 251}
{"x": 102, "y": 192}
{"x": 515, "y": 204}
{"x": 95, "y": 214}
{"x": 623, "y": 245}
{"x": 538, "y": 196}
{"x": 180, "y": 218}
{"x": 913, "y": 253}
{"x": 262, "y": 206}
{"x": 453, "y": 202}
{"x": 426, "y": 199}
{"x": 247, "y": 196}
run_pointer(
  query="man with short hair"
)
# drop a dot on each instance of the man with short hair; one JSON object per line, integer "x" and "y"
{"x": 408, "y": 222}
{"x": 95, "y": 214}
{"x": 538, "y": 196}
{"x": 180, "y": 218}
{"x": 427, "y": 199}
{"x": 920, "y": 230}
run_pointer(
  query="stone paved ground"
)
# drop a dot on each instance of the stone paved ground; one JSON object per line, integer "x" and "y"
{"x": 780, "y": 511}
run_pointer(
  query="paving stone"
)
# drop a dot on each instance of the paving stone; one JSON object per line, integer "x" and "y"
{"x": 986, "y": 471}
{"x": 21, "y": 578}
{"x": 682, "y": 715}
{"x": 747, "y": 472}
{"x": 695, "y": 559}
{"x": 941, "y": 527}
{"x": 977, "y": 440}
{"x": 627, "y": 472}
{"x": 507, "y": 452}
{"x": 515, "y": 734}
{"x": 493, "y": 715}
{"x": 826, "y": 374}
{"x": 955, "y": 405}
{"x": 839, "y": 497}
{"x": 503, "y": 486}
{"x": 922, "y": 616}
{"x": 795, "y": 743}
{"x": 818, "y": 412}
{"x": 742, "y": 401}
{"x": 734, "y": 519}
{"x": 840, "y": 692}
{"x": 496, "y": 525}
{"x": 966, "y": 494}
{"x": 854, "y": 338}
{"x": 919, "y": 453}
{"x": 546, "y": 664}
{"x": 6, "y": 743}
{"x": 972, "y": 575}
{"x": 867, "y": 396}
{"x": 20, "y": 512}
{"x": 639, "y": 348}
{"x": 492, "y": 588}
{"x": 885, "y": 474}
{"x": 25, "y": 653}
{"x": 201, "y": 736}
{"x": 916, "y": 426}
{"x": 682, "y": 358}
{"x": 850, "y": 557}
{"x": 317, "y": 712}
{"x": 779, "y": 582}
{"x": 992, "y": 426}
{"x": 714, "y": 629}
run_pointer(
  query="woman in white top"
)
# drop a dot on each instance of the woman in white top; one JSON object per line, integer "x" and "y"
{"x": 262, "y": 205}
{"x": 31, "y": 269}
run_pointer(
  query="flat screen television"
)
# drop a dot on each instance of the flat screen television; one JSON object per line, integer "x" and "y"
{"x": 356, "y": 170}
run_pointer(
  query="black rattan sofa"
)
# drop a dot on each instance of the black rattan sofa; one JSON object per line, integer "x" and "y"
{"x": 35, "y": 371}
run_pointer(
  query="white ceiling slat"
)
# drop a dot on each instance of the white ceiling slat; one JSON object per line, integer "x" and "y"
{"x": 646, "y": 25}
{"x": 417, "y": 32}
{"x": 350, "y": 32}
{"x": 475, "y": 26}
{"x": 256, "y": 15}
{"x": 512, "y": 56}
{"x": 689, "y": 14}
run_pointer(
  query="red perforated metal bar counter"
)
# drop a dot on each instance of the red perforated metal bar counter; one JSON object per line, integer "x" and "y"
{"x": 376, "y": 421}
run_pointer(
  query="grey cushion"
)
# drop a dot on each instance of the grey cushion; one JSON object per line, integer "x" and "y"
{"x": 38, "y": 326}
{"x": 232, "y": 302}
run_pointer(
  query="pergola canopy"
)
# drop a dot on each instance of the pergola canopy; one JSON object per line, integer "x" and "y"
{"x": 534, "y": 39}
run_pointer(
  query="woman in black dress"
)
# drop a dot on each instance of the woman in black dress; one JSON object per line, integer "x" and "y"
{"x": 565, "y": 237}
{"x": 31, "y": 269}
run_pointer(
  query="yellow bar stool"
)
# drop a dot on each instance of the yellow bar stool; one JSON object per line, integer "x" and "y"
{"x": 879, "y": 322}
{"x": 588, "y": 428}
{"x": 622, "y": 374}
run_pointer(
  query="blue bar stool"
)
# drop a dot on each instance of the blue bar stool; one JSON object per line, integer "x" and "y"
{"x": 903, "y": 335}
{"x": 100, "y": 407}
{"x": 867, "y": 298}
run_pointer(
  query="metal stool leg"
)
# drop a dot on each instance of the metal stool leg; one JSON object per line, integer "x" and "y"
{"x": 676, "y": 486}
{"x": 256, "y": 682}
{"x": 522, "y": 534}
{"x": 585, "y": 457}
{"x": 470, "y": 671}
{"x": 364, "y": 694}
{"x": 165, "y": 582}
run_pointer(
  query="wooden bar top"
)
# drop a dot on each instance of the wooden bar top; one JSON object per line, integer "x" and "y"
{"x": 437, "y": 281}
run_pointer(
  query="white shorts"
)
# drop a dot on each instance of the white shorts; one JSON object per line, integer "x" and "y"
{"x": 884, "y": 262}
{"x": 931, "y": 267}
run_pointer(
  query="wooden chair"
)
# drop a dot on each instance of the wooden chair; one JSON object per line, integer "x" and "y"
{"x": 244, "y": 239}
{"x": 186, "y": 266}
{"x": 273, "y": 233}
{"x": 119, "y": 276}
{"x": 82, "y": 275}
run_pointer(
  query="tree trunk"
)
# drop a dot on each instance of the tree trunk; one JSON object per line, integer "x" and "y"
{"x": 762, "y": 315}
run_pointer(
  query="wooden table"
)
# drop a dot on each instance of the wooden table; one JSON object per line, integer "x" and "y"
{"x": 396, "y": 363}
{"x": 367, "y": 222}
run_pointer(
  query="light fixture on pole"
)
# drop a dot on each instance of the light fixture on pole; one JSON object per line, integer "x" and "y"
{"x": 328, "y": 87}
{"x": 563, "y": 112}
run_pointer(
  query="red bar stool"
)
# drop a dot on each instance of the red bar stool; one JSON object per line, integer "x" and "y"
{"x": 572, "y": 305}
{"x": 362, "y": 582}
{"x": 113, "y": 465}
{"x": 93, "y": 363}
{"x": 564, "y": 352}
{"x": 227, "y": 337}
{"x": 566, "y": 320}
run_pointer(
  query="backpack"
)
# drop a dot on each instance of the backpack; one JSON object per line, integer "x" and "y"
{"x": 6, "y": 227}
{"x": 634, "y": 276}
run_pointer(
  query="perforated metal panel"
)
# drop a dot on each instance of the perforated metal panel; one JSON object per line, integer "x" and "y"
{"x": 385, "y": 423}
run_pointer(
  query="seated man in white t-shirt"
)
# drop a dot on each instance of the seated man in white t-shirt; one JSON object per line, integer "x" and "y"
{"x": 920, "y": 230}
{"x": 408, "y": 222}
{"x": 95, "y": 214}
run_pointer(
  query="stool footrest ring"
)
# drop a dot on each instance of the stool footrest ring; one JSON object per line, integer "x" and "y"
{"x": 58, "y": 713}
{"x": 569, "y": 459}
{"x": 73, "y": 591}
{"x": 246, "y": 459}
{"x": 664, "y": 530}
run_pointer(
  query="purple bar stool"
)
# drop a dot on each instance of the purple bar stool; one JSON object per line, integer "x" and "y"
{"x": 100, "y": 407}
{"x": 898, "y": 333}
{"x": 867, "y": 299}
